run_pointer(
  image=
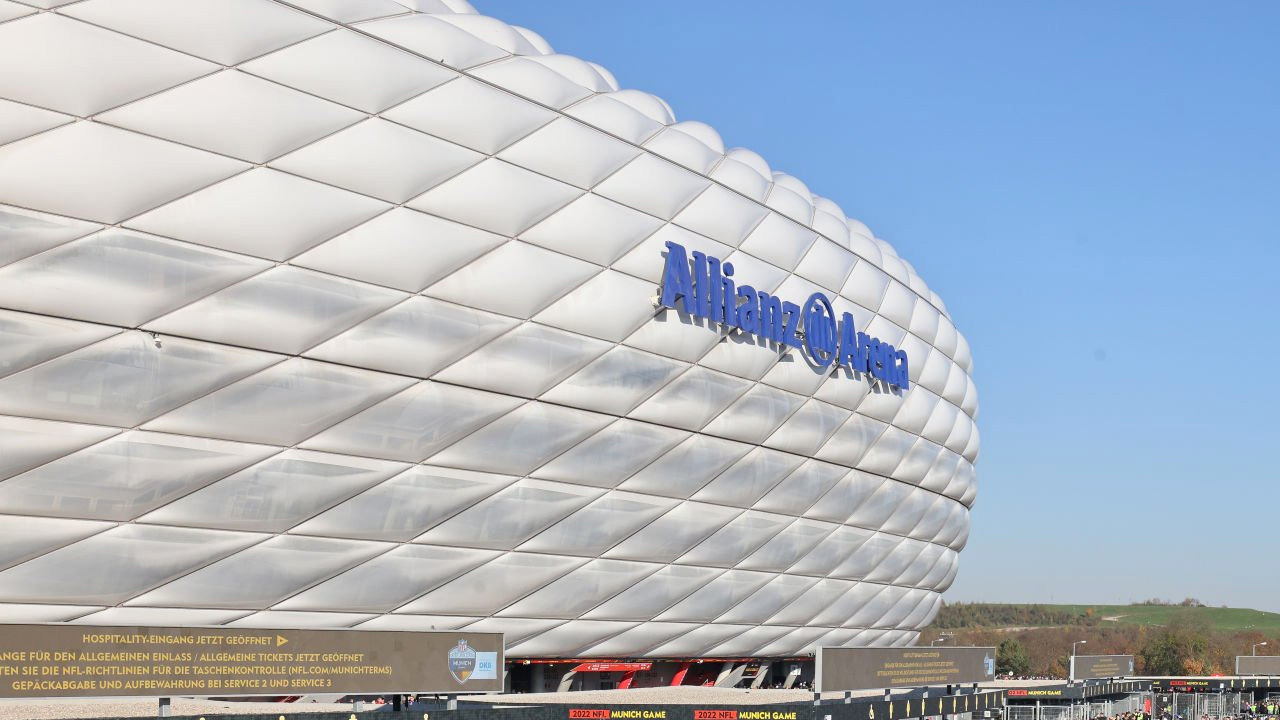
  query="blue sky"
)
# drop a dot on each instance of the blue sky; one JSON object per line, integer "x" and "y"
{"x": 1094, "y": 190}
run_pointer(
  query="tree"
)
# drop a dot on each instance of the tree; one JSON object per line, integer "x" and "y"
{"x": 1012, "y": 658}
{"x": 1181, "y": 648}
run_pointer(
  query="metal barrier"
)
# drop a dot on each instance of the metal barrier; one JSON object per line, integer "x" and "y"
{"x": 1192, "y": 706}
{"x": 1132, "y": 703}
{"x": 1021, "y": 712}
{"x": 1110, "y": 708}
{"x": 1080, "y": 710}
{"x": 1063, "y": 712}
{"x": 966, "y": 706}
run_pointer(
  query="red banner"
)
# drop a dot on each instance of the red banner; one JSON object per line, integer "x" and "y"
{"x": 612, "y": 667}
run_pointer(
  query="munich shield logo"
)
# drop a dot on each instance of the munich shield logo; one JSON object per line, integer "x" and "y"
{"x": 462, "y": 661}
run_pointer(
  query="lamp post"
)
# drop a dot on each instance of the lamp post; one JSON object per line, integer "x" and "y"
{"x": 1071, "y": 674}
{"x": 1255, "y": 648}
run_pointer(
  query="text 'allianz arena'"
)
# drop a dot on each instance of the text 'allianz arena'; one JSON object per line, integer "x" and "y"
{"x": 360, "y": 314}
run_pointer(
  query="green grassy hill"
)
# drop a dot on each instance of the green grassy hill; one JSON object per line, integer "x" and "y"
{"x": 1217, "y": 618}
{"x": 1165, "y": 639}
{"x": 1011, "y": 615}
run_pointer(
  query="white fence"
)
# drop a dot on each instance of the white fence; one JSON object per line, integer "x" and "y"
{"x": 1196, "y": 705}
{"x": 1079, "y": 711}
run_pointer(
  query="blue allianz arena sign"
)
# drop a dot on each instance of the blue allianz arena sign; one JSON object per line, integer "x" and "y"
{"x": 704, "y": 287}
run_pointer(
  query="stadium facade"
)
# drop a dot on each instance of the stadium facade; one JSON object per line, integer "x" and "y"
{"x": 380, "y": 314}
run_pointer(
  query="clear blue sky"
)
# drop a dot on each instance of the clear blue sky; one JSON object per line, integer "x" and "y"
{"x": 1094, "y": 190}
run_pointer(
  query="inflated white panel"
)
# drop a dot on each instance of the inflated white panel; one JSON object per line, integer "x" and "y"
{"x": 592, "y": 228}
{"x": 140, "y": 471}
{"x": 348, "y": 11}
{"x": 755, "y": 415}
{"x": 380, "y": 158}
{"x": 284, "y": 405}
{"x": 613, "y": 454}
{"x": 639, "y": 261}
{"x": 433, "y": 38}
{"x": 523, "y": 439}
{"x": 301, "y": 620}
{"x": 652, "y": 595}
{"x": 224, "y": 31}
{"x": 733, "y": 542}
{"x": 27, "y": 232}
{"x": 783, "y": 243}
{"x": 575, "y": 634}
{"x": 676, "y": 145}
{"x": 497, "y": 196}
{"x": 263, "y": 212}
{"x": 414, "y": 424}
{"x": 144, "y": 379}
{"x": 794, "y": 542}
{"x": 57, "y": 63}
{"x": 27, "y": 537}
{"x": 287, "y": 489}
{"x": 472, "y": 114}
{"x": 654, "y": 186}
{"x": 78, "y": 170}
{"x": 112, "y": 566}
{"x": 675, "y": 533}
{"x": 263, "y": 574}
{"x": 389, "y": 580}
{"x": 526, "y": 361}
{"x": 511, "y": 516}
{"x": 125, "y": 278}
{"x": 18, "y": 121}
{"x": 609, "y": 306}
{"x": 750, "y": 478}
{"x": 615, "y": 382}
{"x": 29, "y": 339}
{"x": 405, "y": 506}
{"x": 235, "y": 114}
{"x": 284, "y": 309}
{"x": 416, "y": 337}
{"x": 570, "y": 151}
{"x": 351, "y": 69}
{"x": 687, "y": 467}
{"x": 495, "y": 584}
{"x": 722, "y": 215}
{"x": 533, "y": 80}
{"x": 600, "y": 525}
{"x": 11, "y": 10}
{"x": 26, "y": 443}
{"x": 426, "y": 249}
{"x": 549, "y": 276}
{"x": 615, "y": 117}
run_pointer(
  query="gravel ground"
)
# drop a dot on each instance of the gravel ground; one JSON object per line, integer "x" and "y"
{"x": 149, "y": 708}
{"x": 186, "y": 707}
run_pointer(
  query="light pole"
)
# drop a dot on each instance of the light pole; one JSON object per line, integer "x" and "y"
{"x": 1071, "y": 674}
{"x": 1256, "y": 646}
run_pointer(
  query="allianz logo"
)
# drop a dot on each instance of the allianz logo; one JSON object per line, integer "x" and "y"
{"x": 704, "y": 287}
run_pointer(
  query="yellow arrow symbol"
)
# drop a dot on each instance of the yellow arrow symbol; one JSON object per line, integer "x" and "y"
{"x": 280, "y": 640}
